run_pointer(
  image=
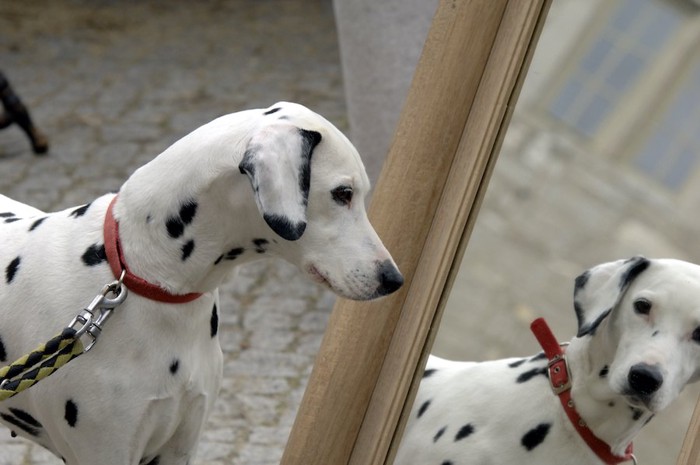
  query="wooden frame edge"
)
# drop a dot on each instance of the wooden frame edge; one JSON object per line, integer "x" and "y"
{"x": 462, "y": 92}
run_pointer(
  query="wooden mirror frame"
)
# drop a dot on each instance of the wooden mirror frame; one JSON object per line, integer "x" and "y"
{"x": 424, "y": 207}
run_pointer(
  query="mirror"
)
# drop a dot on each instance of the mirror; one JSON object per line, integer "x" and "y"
{"x": 600, "y": 162}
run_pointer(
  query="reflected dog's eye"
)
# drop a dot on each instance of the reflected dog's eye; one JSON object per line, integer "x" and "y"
{"x": 342, "y": 195}
{"x": 642, "y": 306}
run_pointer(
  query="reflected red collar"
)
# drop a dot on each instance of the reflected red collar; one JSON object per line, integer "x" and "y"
{"x": 560, "y": 380}
{"x": 135, "y": 284}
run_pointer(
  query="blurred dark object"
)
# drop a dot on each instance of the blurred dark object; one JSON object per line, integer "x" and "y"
{"x": 16, "y": 112}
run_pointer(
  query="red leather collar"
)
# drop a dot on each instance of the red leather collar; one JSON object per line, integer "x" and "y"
{"x": 560, "y": 379}
{"x": 134, "y": 283}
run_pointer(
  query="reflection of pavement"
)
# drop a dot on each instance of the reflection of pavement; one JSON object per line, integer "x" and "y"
{"x": 113, "y": 84}
{"x": 545, "y": 219}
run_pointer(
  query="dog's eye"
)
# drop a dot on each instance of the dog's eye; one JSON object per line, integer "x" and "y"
{"x": 342, "y": 195}
{"x": 642, "y": 306}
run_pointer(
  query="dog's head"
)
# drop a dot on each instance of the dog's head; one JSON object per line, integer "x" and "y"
{"x": 647, "y": 312}
{"x": 310, "y": 187}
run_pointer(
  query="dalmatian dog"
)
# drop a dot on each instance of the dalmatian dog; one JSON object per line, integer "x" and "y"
{"x": 276, "y": 182}
{"x": 638, "y": 345}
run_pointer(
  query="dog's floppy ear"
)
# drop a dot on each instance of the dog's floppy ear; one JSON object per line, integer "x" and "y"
{"x": 277, "y": 161}
{"x": 599, "y": 290}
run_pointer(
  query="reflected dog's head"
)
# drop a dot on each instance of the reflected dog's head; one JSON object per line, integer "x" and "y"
{"x": 646, "y": 315}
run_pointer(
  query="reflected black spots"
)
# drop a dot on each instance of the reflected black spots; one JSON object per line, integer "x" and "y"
{"x": 423, "y": 408}
{"x": 535, "y": 436}
{"x": 11, "y": 270}
{"x": 174, "y": 367}
{"x": 528, "y": 375}
{"x": 439, "y": 434}
{"x": 37, "y": 223}
{"x": 80, "y": 211}
{"x": 465, "y": 431}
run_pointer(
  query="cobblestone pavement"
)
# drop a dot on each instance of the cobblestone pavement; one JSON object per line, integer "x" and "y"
{"x": 112, "y": 84}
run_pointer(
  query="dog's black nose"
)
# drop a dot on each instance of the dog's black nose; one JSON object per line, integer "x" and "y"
{"x": 390, "y": 279}
{"x": 644, "y": 379}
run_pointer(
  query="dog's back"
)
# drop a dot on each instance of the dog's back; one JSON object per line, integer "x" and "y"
{"x": 497, "y": 412}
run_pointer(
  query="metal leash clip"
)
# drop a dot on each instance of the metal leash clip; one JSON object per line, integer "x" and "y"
{"x": 91, "y": 319}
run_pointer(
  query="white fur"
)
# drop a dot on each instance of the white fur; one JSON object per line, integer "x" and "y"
{"x": 501, "y": 411}
{"x": 131, "y": 408}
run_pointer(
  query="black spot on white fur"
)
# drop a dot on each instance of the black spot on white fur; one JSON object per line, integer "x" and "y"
{"x": 423, "y": 408}
{"x": 175, "y": 225}
{"x": 639, "y": 264}
{"x": 25, "y": 417}
{"x": 7, "y": 214}
{"x": 37, "y": 223}
{"x": 273, "y": 110}
{"x": 429, "y": 372}
{"x": 214, "y": 322}
{"x": 517, "y": 363}
{"x": 535, "y": 436}
{"x": 260, "y": 245}
{"x": 187, "y": 249}
{"x": 465, "y": 431}
{"x": 234, "y": 253}
{"x": 603, "y": 372}
{"x": 12, "y": 220}
{"x": 11, "y": 270}
{"x": 32, "y": 428}
{"x": 71, "y": 413}
{"x": 80, "y": 211}
{"x": 581, "y": 281}
{"x": 439, "y": 434}
{"x": 174, "y": 367}
{"x": 94, "y": 255}
{"x": 528, "y": 375}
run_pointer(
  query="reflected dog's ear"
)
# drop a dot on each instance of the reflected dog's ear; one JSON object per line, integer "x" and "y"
{"x": 599, "y": 290}
{"x": 277, "y": 162}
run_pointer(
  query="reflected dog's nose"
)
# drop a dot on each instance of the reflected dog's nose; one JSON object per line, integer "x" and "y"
{"x": 644, "y": 380}
{"x": 390, "y": 279}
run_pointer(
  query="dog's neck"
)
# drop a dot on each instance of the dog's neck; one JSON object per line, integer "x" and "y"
{"x": 606, "y": 413}
{"x": 186, "y": 220}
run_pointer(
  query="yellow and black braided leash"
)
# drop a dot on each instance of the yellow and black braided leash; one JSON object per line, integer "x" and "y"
{"x": 46, "y": 359}
{"x": 51, "y": 356}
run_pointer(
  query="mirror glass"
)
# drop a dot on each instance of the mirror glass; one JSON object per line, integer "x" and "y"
{"x": 600, "y": 162}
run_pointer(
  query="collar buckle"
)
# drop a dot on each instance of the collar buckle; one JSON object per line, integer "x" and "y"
{"x": 559, "y": 374}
